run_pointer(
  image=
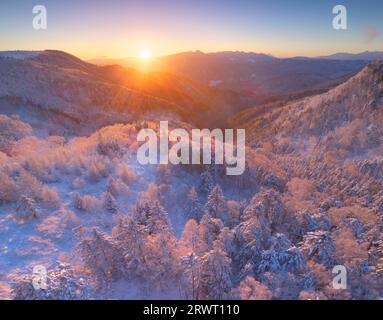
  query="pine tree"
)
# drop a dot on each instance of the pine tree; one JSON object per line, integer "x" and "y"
{"x": 215, "y": 280}
{"x": 281, "y": 256}
{"x": 210, "y": 229}
{"x": 216, "y": 204}
{"x": 152, "y": 216}
{"x": 110, "y": 203}
{"x": 148, "y": 249}
{"x": 102, "y": 255}
{"x": 77, "y": 201}
{"x": 190, "y": 281}
{"x": 193, "y": 209}
{"x": 226, "y": 240}
{"x": 130, "y": 239}
{"x": 255, "y": 229}
{"x": 320, "y": 247}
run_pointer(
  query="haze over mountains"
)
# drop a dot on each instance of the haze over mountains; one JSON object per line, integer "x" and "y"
{"x": 193, "y": 85}
{"x": 253, "y": 73}
{"x": 72, "y": 190}
{"x": 69, "y": 91}
{"x": 366, "y": 56}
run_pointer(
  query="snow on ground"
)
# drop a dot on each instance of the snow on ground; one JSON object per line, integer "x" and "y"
{"x": 83, "y": 166}
{"x": 274, "y": 232}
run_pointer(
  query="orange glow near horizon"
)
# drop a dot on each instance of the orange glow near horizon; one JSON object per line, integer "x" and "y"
{"x": 121, "y": 29}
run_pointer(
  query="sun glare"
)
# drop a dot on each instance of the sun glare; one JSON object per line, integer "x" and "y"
{"x": 145, "y": 54}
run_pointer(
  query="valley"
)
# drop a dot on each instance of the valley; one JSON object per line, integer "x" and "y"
{"x": 74, "y": 198}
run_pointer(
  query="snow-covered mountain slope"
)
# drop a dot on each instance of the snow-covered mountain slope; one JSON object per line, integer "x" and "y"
{"x": 65, "y": 93}
{"x": 333, "y": 139}
{"x": 347, "y": 117}
{"x": 105, "y": 226}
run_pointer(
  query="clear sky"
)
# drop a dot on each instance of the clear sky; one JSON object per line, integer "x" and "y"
{"x": 121, "y": 28}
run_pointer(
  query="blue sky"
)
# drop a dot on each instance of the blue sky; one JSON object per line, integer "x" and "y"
{"x": 121, "y": 28}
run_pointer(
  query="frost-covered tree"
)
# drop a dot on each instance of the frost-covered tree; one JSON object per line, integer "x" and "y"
{"x": 226, "y": 240}
{"x": 77, "y": 201}
{"x": 27, "y": 209}
{"x": 85, "y": 203}
{"x": 267, "y": 207}
{"x": 350, "y": 252}
{"x": 314, "y": 222}
{"x": 162, "y": 262}
{"x": 108, "y": 146}
{"x": 249, "y": 240}
{"x": 28, "y": 185}
{"x": 62, "y": 283}
{"x": 109, "y": 203}
{"x": 216, "y": 204}
{"x": 12, "y": 130}
{"x": 152, "y": 216}
{"x": 115, "y": 186}
{"x": 210, "y": 229}
{"x": 251, "y": 289}
{"x": 252, "y": 234}
{"x": 281, "y": 256}
{"x": 216, "y": 274}
{"x": 190, "y": 240}
{"x": 235, "y": 210}
{"x": 193, "y": 207}
{"x": 357, "y": 228}
{"x": 149, "y": 253}
{"x": 282, "y": 285}
{"x": 190, "y": 285}
{"x": 50, "y": 198}
{"x": 320, "y": 246}
{"x": 102, "y": 256}
{"x": 130, "y": 238}
{"x": 7, "y": 189}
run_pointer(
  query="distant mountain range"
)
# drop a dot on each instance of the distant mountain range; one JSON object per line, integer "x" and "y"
{"x": 366, "y": 56}
{"x": 253, "y": 74}
{"x": 251, "y": 56}
{"x": 53, "y": 87}
{"x": 192, "y": 86}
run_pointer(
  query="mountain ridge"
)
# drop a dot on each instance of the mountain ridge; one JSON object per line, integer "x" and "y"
{"x": 353, "y": 110}
{"x": 366, "y": 55}
{"x": 82, "y": 91}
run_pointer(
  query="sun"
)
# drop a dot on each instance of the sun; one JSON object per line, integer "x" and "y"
{"x": 145, "y": 54}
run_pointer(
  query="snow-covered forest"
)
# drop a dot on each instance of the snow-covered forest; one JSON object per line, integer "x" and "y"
{"x": 73, "y": 197}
